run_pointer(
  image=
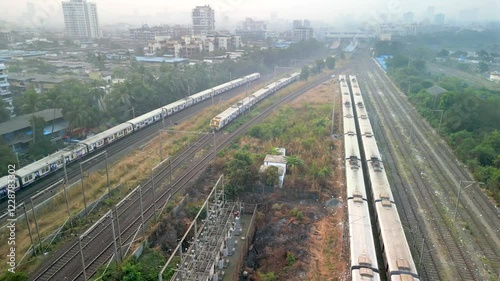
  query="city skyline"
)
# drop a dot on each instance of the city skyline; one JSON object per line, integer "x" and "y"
{"x": 48, "y": 13}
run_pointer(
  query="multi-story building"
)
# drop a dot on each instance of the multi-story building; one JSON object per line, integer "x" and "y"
{"x": 252, "y": 28}
{"x": 439, "y": 19}
{"x": 81, "y": 20}
{"x": 5, "y": 93}
{"x": 302, "y": 30}
{"x": 203, "y": 20}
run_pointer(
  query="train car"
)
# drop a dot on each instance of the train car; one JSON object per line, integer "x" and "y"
{"x": 363, "y": 256}
{"x": 398, "y": 260}
{"x": 201, "y": 96}
{"x": 224, "y": 118}
{"x": 177, "y": 106}
{"x": 7, "y": 181}
{"x": 252, "y": 77}
{"x": 73, "y": 152}
{"x": 39, "y": 169}
{"x": 47, "y": 165}
{"x": 145, "y": 119}
{"x": 222, "y": 88}
{"x": 221, "y": 120}
{"x": 109, "y": 136}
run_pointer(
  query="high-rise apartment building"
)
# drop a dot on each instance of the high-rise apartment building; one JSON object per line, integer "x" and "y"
{"x": 81, "y": 20}
{"x": 5, "y": 93}
{"x": 203, "y": 20}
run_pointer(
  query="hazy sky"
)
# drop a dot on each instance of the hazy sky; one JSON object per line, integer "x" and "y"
{"x": 135, "y": 12}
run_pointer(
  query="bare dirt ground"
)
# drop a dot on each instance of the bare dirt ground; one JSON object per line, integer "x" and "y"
{"x": 302, "y": 239}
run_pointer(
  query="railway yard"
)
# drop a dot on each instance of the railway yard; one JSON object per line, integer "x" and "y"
{"x": 424, "y": 176}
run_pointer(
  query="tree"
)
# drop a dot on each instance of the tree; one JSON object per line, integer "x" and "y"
{"x": 270, "y": 176}
{"x": 304, "y": 73}
{"x": 443, "y": 53}
{"x": 76, "y": 114}
{"x": 8, "y": 158}
{"x": 31, "y": 104}
{"x": 43, "y": 145}
{"x": 4, "y": 113}
{"x": 483, "y": 67}
{"x": 330, "y": 62}
{"x": 293, "y": 162}
{"x": 320, "y": 64}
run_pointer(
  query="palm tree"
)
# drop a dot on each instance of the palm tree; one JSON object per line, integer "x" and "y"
{"x": 76, "y": 114}
{"x": 54, "y": 100}
{"x": 97, "y": 93}
{"x": 31, "y": 104}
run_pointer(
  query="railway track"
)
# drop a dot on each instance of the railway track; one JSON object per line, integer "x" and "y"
{"x": 445, "y": 167}
{"x": 100, "y": 246}
{"x": 424, "y": 191}
{"x": 400, "y": 183}
{"x": 126, "y": 144}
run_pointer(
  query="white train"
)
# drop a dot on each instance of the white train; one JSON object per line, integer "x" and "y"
{"x": 43, "y": 167}
{"x": 363, "y": 256}
{"x": 225, "y": 117}
{"x": 398, "y": 260}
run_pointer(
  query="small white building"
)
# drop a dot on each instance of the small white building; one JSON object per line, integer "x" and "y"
{"x": 495, "y": 76}
{"x": 278, "y": 161}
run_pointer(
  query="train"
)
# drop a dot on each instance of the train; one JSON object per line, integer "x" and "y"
{"x": 363, "y": 255}
{"x": 228, "y": 115}
{"x": 33, "y": 172}
{"x": 398, "y": 261}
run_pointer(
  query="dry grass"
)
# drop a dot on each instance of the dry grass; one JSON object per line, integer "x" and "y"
{"x": 324, "y": 243}
{"x": 128, "y": 172}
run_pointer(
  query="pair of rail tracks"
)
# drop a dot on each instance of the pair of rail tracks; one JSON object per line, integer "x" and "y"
{"x": 127, "y": 219}
{"x": 422, "y": 188}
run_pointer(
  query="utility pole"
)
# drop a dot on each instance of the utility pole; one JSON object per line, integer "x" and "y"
{"x": 440, "y": 119}
{"x": 460, "y": 191}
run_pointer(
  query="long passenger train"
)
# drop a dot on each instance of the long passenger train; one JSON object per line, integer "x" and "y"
{"x": 43, "y": 167}
{"x": 397, "y": 257}
{"x": 363, "y": 256}
{"x": 225, "y": 117}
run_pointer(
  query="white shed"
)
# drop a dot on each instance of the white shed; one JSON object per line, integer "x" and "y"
{"x": 277, "y": 161}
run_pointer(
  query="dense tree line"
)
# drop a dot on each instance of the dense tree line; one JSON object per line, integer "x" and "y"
{"x": 470, "y": 114}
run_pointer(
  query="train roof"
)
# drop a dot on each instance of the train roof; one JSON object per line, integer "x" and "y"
{"x": 174, "y": 104}
{"x": 227, "y": 112}
{"x": 145, "y": 116}
{"x": 397, "y": 250}
{"x": 4, "y": 181}
{"x": 362, "y": 245}
{"x": 253, "y": 75}
{"x": 222, "y": 85}
{"x": 202, "y": 93}
{"x": 36, "y": 166}
{"x": 260, "y": 92}
{"x": 107, "y": 133}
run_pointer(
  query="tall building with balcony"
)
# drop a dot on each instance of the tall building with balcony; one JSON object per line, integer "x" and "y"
{"x": 5, "y": 93}
{"x": 81, "y": 20}
{"x": 203, "y": 20}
